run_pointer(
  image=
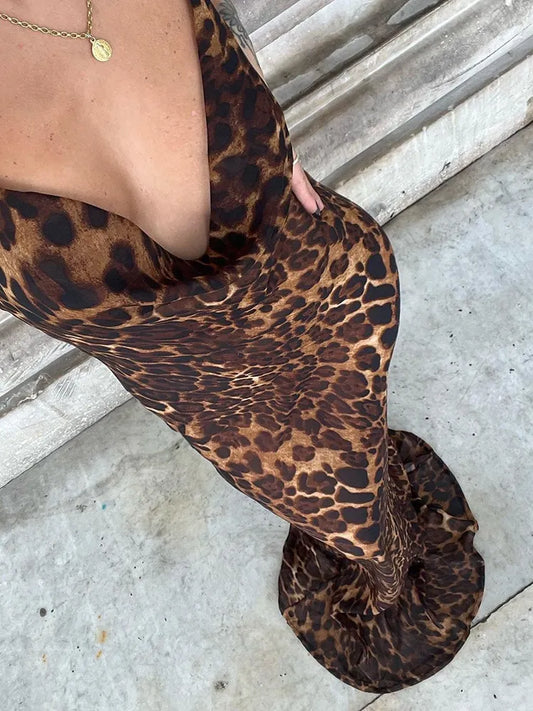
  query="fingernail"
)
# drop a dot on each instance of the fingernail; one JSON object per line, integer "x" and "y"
{"x": 317, "y": 212}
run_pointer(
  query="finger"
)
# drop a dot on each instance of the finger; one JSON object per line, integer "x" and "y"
{"x": 305, "y": 196}
{"x": 305, "y": 192}
{"x": 313, "y": 193}
{"x": 319, "y": 201}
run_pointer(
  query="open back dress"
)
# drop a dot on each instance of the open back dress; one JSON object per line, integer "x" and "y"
{"x": 270, "y": 356}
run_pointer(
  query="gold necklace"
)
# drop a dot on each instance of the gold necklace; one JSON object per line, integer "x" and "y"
{"x": 101, "y": 48}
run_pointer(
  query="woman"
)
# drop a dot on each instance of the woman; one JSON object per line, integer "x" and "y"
{"x": 153, "y": 214}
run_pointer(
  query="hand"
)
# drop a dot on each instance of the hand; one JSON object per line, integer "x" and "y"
{"x": 303, "y": 190}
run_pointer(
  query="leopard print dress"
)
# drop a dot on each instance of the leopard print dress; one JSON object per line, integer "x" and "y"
{"x": 270, "y": 356}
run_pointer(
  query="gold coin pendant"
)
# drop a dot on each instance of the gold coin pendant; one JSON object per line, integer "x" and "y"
{"x": 101, "y": 50}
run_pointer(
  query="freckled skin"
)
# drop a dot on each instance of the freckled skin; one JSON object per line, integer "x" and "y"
{"x": 270, "y": 355}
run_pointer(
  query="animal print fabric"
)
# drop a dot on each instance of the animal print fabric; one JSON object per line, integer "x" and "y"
{"x": 270, "y": 356}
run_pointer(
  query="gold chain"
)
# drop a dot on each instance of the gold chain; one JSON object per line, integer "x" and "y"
{"x": 101, "y": 48}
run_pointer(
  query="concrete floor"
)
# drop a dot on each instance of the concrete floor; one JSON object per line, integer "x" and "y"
{"x": 133, "y": 577}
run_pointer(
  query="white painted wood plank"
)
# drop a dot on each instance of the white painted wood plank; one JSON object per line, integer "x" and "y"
{"x": 387, "y": 184}
{"x": 24, "y": 353}
{"x": 362, "y": 105}
{"x": 65, "y": 408}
